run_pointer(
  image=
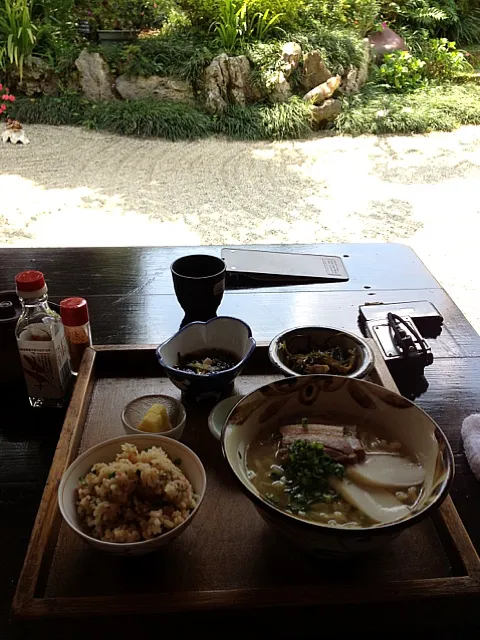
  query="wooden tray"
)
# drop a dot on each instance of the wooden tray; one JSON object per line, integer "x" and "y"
{"x": 228, "y": 558}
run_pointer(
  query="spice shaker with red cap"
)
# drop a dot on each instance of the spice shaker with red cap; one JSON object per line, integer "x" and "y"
{"x": 41, "y": 342}
{"x": 74, "y": 313}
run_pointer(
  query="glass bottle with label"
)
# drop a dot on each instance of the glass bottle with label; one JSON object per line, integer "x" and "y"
{"x": 42, "y": 345}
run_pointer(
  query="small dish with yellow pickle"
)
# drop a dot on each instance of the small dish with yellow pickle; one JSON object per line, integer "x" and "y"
{"x": 155, "y": 414}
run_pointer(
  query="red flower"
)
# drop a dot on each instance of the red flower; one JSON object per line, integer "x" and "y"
{"x": 1, "y": 86}
{"x": 12, "y": 98}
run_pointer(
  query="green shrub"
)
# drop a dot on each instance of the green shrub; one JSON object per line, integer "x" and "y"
{"x": 438, "y": 108}
{"x": 443, "y": 61}
{"x": 401, "y": 71}
{"x": 203, "y": 12}
{"x": 124, "y": 14}
{"x": 360, "y": 15}
{"x": 455, "y": 20}
{"x": 261, "y": 122}
{"x": 340, "y": 48}
{"x": 148, "y": 118}
{"x": 177, "y": 52}
{"x": 68, "y": 109}
{"x": 58, "y": 12}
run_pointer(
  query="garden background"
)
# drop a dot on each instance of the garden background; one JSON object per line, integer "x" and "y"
{"x": 259, "y": 69}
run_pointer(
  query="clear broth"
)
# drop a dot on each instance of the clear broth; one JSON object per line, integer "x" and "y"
{"x": 262, "y": 456}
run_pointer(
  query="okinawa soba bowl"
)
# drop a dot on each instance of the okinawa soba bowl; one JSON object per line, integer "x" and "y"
{"x": 338, "y": 401}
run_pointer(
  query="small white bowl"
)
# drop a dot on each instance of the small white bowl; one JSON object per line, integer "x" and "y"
{"x": 105, "y": 452}
{"x": 219, "y": 414}
{"x": 134, "y": 411}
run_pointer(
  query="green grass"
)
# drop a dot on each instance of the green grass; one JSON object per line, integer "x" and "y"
{"x": 150, "y": 119}
{"x": 66, "y": 109}
{"x": 261, "y": 122}
{"x": 172, "y": 121}
{"x": 440, "y": 108}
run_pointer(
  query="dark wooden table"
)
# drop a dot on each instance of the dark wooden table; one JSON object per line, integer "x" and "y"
{"x": 131, "y": 300}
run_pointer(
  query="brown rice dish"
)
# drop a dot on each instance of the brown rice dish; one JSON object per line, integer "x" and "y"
{"x": 138, "y": 496}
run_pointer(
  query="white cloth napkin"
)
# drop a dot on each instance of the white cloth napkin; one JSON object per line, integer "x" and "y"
{"x": 471, "y": 442}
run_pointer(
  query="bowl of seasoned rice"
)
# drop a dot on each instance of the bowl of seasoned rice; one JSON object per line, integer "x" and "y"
{"x": 132, "y": 494}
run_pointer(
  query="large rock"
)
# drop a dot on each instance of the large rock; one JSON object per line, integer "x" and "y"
{"x": 280, "y": 90}
{"x": 355, "y": 77}
{"x": 227, "y": 81}
{"x": 315, "y": 70}
{"x": 239, "y": 80}
{"x": 325, "y": 90}
{"x": 291, "y": 53}
{"x": 38, "y": 78}
{"x": 95, "y": 78}
{"x": 326, "y": 112}
{"x": 154, "y": 87}
{"x": 385, "y": 41}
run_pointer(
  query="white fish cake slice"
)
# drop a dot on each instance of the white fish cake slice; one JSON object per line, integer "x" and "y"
{"x": 387, "y": 471}
{"x": 376, "y": 503}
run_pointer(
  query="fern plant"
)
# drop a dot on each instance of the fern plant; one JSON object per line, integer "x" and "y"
{"x": 17, "y": 34}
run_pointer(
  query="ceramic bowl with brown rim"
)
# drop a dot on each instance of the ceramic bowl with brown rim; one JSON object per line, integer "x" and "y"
{"x": 304, "y": 340}
{"x": 343, "y": 401}
{"x": 184, "y": 458}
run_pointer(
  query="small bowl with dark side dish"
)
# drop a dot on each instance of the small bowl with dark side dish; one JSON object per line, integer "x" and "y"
{"x": 222, "y": 334}
{"x": 336, "y": 400}
{"x": 304, "y": 340}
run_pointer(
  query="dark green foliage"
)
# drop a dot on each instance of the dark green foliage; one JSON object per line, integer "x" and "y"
{"x": 150, "y": 119}
{"x": 439, "y": 108}
{"x": 339, "y": 48}
{"x": 179, "y": 53}
{"x": 261, "y": 122}
{"x": 401, "y": 71}
{"x": 458, "y": 21}
{"x": 67, "y": 109}
{"x": 168, "y": 120}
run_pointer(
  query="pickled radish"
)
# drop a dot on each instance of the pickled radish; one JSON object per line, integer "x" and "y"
{"x": 376, "y": 503}
{"x": 386, "y": 471}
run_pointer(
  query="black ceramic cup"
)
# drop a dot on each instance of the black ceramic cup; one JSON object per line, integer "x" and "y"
{"x": 199, "y": 283}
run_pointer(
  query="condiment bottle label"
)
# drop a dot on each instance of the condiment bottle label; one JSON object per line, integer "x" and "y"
{"x": 46, "y": 365}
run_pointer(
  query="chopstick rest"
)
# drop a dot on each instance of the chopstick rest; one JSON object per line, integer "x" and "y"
{"x": 471, "y": 442}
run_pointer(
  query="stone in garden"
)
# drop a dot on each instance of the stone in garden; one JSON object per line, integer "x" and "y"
{"x": 385, "y": 41}
{"x": 314, "y": 70}
{"x": 291, "y": 53}
{"x": 325, "y": 90}
{"x": 326, "y": 112}
{"x": 280, "y": 90}
{"x": 226, "y": 81}
{"x": 239, "y": 79}
{"x": 95, "y": 78}
{"x": 38, "y": 78}
{"x": 154, "y": 87}
{"x": 355, "y": 77}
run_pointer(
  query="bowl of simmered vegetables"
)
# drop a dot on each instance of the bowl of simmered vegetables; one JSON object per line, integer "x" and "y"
{"x": 204, "y": 358}
{"x": 338, "y": 465}
{"x": 326, "y": 350}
